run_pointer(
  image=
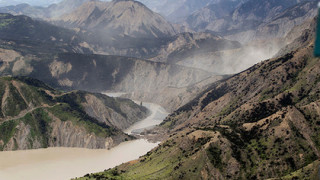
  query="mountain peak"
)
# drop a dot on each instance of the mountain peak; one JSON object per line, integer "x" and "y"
{"x": 121, "y": 17}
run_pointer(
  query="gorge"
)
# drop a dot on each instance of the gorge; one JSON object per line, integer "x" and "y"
{"x": 66, "y": 163}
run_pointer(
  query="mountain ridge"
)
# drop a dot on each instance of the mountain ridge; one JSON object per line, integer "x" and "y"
{"x": 130, "y": 18}
{"x": 260, "y": 123}
{"x": 34, "y": 115}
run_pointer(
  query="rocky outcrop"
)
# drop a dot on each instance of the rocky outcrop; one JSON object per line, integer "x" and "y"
{"x": 65, "y": 134}
{"x": 128, "y": 113}
{"x": 148, "y": 77}
{"x": 20, "y": 140}
{"x": 172, "y": 98}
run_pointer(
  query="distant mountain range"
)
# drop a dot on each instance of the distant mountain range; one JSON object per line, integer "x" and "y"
{"x": 178, "y": 10}
{"x": 31, "y": 2}
{"x": 252, "y": 19}
{"x": 54, "y": 10}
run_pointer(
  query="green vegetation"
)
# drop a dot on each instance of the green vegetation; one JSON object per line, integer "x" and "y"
{"x": 30, "y": 104}
{"x": 266, "y": 122}
{"x": 4, "y": 23}
{"x": 66, "y": 112}
{"x": 7, "y": 130}
{"x": 15, "y": 102}
{"x": 168, "y": 161}
{"x": 40, "y": 129}
{"x": 214, "y": 155}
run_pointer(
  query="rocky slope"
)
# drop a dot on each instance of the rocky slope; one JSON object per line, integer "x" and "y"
{"x": 97, "y": 73}
{"x": 188, "y": 45}
{"x": 200, "y": 19}
{"x": 178, "y": 10}
{"x": 33, "y": 115}
{"x": 36, "y": 51}
{"x": 254, "y": 19}
{"x": 126, "y": 28}
{"x": 279, "y": 25}
{"x": 123, "y": 18}
{"x": 38, "y": 36}
{"x": 261, "y": 123}
{"x": 214, "y": 53}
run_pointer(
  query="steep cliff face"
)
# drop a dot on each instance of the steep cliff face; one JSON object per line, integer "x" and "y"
{"x": 124, "y": 114}
{"x": 172, "y": 98}
{"x": 261, "y": 123}
{"x": 188, "y": 45}
{"x": 34, "y": 115}
{"x": 97, "y": 73}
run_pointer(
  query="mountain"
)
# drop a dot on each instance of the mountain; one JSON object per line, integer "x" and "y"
{"x": 200, "y": 19}
{"x": 63, "y": 7}
{"x": 186, "y": 45}
{"x": 279, "y": 25}
{"x": 214, "y": 53}
{"x": 39, "y": 36}
{"x": 50, "y": 53}
{"x": 31, "y": 2}
{"x": 177, "y": 11}
{"x": 253, "y": 19}
{"x": 8, "y": 3}
{"x": 258, "y": 124}
{"x": 25, "y": 9}
{"x": 123, "y": 18}
{"x": 35, "y": 11}
{"x": 153, "y": 81}
{"x": 33, "y": 115}
{"x": 196, "y": 50}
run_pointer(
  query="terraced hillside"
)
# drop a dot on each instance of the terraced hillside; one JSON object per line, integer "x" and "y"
{"x": 33, "y": 115}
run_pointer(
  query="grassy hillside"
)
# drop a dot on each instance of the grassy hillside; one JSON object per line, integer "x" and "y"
{"x": 33, "y": 115}
{"x": 261, "y": 123}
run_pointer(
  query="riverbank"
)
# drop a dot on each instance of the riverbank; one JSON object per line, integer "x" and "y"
{"x": 67, "y": 163}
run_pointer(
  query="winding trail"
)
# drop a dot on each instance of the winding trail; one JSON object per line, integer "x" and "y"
{"x": 24, "y": 113}
{"x": 67, "y": 163}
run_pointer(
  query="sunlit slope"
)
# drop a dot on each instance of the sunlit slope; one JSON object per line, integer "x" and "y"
{"x": 261, "y": 123}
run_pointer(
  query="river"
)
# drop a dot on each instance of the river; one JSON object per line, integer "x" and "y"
{"x": 66, "y": 163}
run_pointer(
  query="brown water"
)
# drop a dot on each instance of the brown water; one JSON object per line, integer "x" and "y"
{"x": 66, "y": 163}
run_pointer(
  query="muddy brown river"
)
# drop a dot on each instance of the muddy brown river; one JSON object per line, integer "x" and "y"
{"x": 66, "y": 163}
